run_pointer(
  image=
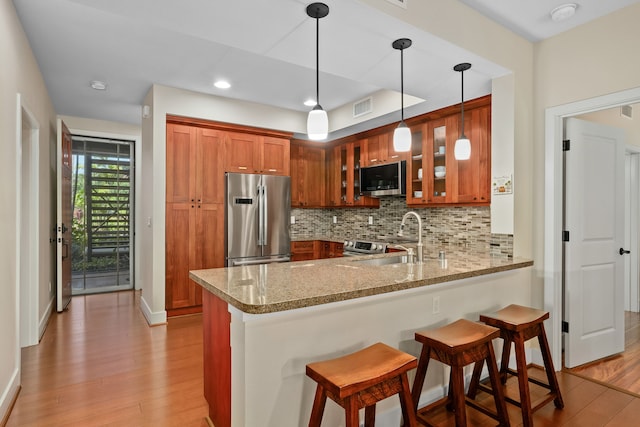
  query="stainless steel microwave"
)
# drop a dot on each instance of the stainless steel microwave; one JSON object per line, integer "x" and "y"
{"x": 389, "y": 179}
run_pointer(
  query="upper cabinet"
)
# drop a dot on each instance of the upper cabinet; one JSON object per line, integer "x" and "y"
{"x": 194, "y": 165}
{"x": 435, "y": 177}
{"x": 344, "y": 176}
{"x": 378, "y": 149}
{"x": 307, "y": 176}
{"x": 249, "y": 153}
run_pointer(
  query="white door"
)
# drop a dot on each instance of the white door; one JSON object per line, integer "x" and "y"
{"x": 594, "y": 218}
{"x": 63, "y": 225}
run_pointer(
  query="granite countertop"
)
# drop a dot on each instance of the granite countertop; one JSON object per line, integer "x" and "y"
{"x": 271, "y": 288}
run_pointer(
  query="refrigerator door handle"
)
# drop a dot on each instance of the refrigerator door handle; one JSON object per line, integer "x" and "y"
{"x": 265, "y": 218}
{"x": 237, "y": 263}
{"x": 260, "y": 215}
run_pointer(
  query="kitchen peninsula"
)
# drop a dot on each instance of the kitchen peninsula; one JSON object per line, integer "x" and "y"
{"x": 262, "y": 324}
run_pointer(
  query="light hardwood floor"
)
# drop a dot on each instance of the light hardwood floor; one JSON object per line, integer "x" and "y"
{"x": 99, "y": 364}
{"x": 621, "y": 370}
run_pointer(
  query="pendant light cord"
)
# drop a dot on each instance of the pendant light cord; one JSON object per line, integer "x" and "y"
{"x": 462, "y": 103}
{"x": 317, "y": 61}
{"x": 402, "y": 85}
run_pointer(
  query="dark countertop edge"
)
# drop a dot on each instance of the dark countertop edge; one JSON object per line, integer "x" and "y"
{"x": 378, "y": 290}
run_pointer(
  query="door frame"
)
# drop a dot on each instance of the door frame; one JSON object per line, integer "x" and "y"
{"x": 28, "y": 293}
{"x": 553, "y": 197}
{"x": 632, "y": 217}
{"x": 137, "y": 180}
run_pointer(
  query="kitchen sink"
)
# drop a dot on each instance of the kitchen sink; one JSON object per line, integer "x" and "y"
{"x": 400, "y": 259}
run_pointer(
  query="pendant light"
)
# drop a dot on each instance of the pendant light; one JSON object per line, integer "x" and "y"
{"x": 402, "y": 133}
{"x": 317, "y": 121}
{"x": 462, "y": 149}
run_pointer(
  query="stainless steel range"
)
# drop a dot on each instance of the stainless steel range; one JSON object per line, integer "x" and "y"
{"x": 362, "y": 247}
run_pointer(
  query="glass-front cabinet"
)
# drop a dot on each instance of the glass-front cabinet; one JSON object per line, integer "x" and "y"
{"x": 346, "y": 162}
{"x": 437, "y": 167}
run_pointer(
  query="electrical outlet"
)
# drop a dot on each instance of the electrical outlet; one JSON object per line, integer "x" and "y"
{"x": 293, "y": 219}
{"x": 370, "y": 220}
{"x": 436, "y": 305}
{"x": 335, "y": 219}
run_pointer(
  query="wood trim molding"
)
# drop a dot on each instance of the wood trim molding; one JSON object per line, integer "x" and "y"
{"x": 231, "y": 127}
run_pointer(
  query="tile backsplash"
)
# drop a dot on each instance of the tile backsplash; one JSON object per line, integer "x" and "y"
{"x": 441, "y": 226}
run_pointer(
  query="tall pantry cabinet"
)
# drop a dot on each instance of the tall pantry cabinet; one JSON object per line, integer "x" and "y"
{"x": 194, "y": 212}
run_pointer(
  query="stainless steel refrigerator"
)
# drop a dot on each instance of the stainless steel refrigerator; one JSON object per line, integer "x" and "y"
{"x": 257, "y": 213}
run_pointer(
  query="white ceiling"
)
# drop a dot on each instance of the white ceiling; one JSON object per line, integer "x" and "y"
{"x": 265, "y": 48}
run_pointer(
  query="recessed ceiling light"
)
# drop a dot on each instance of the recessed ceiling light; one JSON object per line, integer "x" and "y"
{"x": 563, "y": 12}
{"x": 98, "y": 85}
{"x": 222, "y": 84}
{"x": 310, "y": 102}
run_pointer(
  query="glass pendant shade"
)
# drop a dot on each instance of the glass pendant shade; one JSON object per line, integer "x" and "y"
{"x": 317, "y": 124}
{"x": 402, "y": 138}
{"x": 462, "y": 149}
{"x": 317, "y": 120}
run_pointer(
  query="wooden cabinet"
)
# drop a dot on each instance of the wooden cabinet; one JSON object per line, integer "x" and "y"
{"x": 308, "y": 184}
{"x": 304, "y": 250}
{"x": 435, "y": 177}
{"x": 344, "y": 177}
{"x": 194, "y": 212}
{"x": 331, "y": 249}
{"x": 249, "y": 153}
{"x": 194, "y": 165}
{"x": 193, "y": 241}
{"x": 315, "y": 249}
{"x": 378, "y": 149}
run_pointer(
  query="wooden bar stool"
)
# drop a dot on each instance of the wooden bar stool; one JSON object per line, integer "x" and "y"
{"x": 359, "y": 380}
{"x": 459, "y": 344}
{"x": 517, "y": 325}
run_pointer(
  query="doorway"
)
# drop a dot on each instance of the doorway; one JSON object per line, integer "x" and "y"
{"x": 28, "y": 227}
{"x": 102, "y": 193}
{"x": 554, "y": 194}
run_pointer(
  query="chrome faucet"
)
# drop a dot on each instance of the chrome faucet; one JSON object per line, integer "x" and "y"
{"x": 401, "y": 232}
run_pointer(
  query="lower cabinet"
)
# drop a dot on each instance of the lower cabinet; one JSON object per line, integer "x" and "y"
{"x": 194, "y": 241}
{"x": 315, "y": 249}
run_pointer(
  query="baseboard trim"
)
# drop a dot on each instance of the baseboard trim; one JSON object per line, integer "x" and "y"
{"x": 152, "y": 318}
{"x": 44, "y": 321}
{"x": 9, "y": 396}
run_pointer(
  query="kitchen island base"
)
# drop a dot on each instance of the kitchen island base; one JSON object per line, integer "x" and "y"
{"x": 258, "y": 360}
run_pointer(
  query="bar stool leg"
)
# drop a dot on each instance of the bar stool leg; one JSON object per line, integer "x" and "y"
{"x": 523, "y": 381}
{"x": 406, "y": 403}
{"x": 370, "y": 416}
{"x": 421, "y": 372}
{"x": 475, "y": 379}
{"x": 318, "y": 407}
{"x": 548, "y": 367}
{"x": 457, "y": 383}
{"x": 351, "y": 409}
{"x": 498, "y": 393}
{"x": 504, "y": 363}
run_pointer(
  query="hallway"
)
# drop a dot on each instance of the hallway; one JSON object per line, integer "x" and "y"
{"x": 100, "y": 364}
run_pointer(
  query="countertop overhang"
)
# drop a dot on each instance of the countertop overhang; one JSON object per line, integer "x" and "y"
{"x": 270, "y": 288}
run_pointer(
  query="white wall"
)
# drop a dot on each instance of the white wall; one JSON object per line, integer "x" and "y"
{"x": 20, "y": 75}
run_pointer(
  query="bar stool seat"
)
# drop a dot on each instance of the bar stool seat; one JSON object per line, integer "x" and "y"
{"x": 359, "y": 380}
{"x": 517, "y": 325}
{"x": 459, "y": 344}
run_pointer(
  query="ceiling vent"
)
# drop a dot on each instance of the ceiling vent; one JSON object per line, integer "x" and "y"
{"x": 401, "y": 3}
{"x": 626, "y": 111}
{"x": 362, "y": 107}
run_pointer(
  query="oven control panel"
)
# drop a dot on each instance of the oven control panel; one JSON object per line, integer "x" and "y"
{"x": 362, "y": 247}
